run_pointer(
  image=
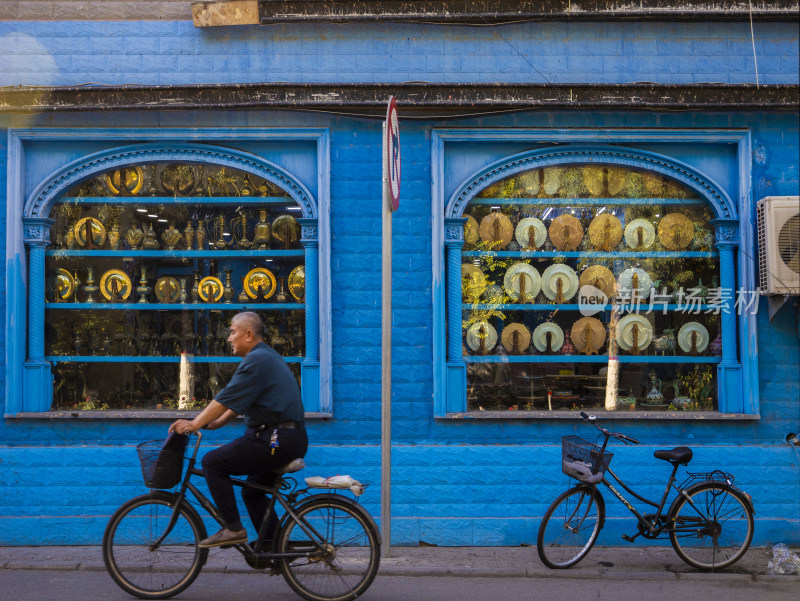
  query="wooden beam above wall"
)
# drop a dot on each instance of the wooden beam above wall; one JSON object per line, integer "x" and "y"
{"x": 444, "y": 99}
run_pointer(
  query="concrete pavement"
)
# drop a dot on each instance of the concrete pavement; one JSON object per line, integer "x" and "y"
{"x": 637, "y": 563}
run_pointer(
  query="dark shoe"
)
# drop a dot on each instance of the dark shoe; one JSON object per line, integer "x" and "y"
{"x": 224, "y": 537}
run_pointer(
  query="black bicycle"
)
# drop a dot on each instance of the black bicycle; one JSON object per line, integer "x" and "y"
{"x": 327, "y": 546}
{"x": 709, "y": 522}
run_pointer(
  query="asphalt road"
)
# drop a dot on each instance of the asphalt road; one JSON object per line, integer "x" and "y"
{"x": 82, "y": 585}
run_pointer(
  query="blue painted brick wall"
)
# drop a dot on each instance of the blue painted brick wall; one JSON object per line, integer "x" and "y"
{"x": 175, "y": 52}
{"x": 454, "y": 482}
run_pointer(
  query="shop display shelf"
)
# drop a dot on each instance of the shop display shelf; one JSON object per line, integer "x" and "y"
{"x": 149, "y": 359}
{"x": 569, "y": 201}
{"x": 135, "y": 306}
{"x": 578, "y": 254}
{"x": 588, "y": 359}
{"x": 177, "y": 254}
{"x": 643, "y": 308}
{"x": 165, "y": 200}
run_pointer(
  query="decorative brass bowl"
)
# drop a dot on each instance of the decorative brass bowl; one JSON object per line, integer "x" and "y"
{"x": 132, "y": 183}
{"x": 285, "y": 229}
{"x": 516, "y": 338}
{"x": 297, "y": 283}
{"x": 566, "y": 232}
{"x": 98, "y": 231}
{"x": 62, "y": 284}
{"x": 168, "y": 290}
{"x": 601, "y": 278}
{"x": 496, "y": 230}
{"x": 605, "y": 232}
{"x": 259, "y": 282}
{"x": 210, "y": 289}
{"x": 471, "y": 234}
{"x": 115, "y": 282}
{"x": 675, "y": 231}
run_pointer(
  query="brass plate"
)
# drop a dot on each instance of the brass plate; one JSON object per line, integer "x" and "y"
{"x": 585, "y": 328}
{"x": 62, "y": 284}
{"x": 297, "y": 283}
{"x": 97, "y": 228}
{"x": 285, "y": 229}
{"x": 566, "y": 232}
{"x": 210, "y": 289}
{"x": 523, "y": 337}
{"x": 473, "y": 281}
{"x": 496, "y": 230}
{"x": 675, "y": 231}
{"x": 605, "y": 232}
{"x": 601, "y": 278}
{"x": 259, "y": 277}
{"x": 471, "y": 234}
{"x": 115, "y": 278}
{"x": 168, "y": 290}
{"x": 134, "y": 179}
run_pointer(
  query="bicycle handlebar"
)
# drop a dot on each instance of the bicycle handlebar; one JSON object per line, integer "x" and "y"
{"x": 618, "y": 435}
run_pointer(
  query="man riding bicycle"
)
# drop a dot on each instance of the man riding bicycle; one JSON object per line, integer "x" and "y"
{"x": 263, "y": 390}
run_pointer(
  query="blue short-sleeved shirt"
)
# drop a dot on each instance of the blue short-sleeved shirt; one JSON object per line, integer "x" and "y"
{"x": 263, "y": 389}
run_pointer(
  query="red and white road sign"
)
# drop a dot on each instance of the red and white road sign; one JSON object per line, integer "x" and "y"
{"x": 393, "y": 153}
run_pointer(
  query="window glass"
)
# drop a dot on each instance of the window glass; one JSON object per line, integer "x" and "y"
{"x": 563, "y": 266}
{"x": 148, "y": 266}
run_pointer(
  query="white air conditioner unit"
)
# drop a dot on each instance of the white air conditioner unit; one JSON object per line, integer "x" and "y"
{"x": 779, "y": 244}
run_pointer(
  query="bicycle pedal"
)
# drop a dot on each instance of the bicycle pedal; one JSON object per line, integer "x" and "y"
{"x": 628, "y": 538}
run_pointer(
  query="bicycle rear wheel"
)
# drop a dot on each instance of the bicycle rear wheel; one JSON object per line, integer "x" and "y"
{"x": 570, "y": 527}
{"x": 349, "y": 563}
{"x": 714, "y": 530}
{"x": 153, "y": 573}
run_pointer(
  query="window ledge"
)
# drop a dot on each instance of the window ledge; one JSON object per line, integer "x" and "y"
{"x": 128, "y": 415}
{"x": 617, "y": 415}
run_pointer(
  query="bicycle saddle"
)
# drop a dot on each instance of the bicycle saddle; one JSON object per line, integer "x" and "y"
{"x": 678, "y": 454}
{"x": 293, "y": 466}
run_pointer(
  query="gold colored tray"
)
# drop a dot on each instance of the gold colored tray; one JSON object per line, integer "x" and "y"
{"x": 566, "y": 232}
{"x": 496, "y": 230}
{"x": 134, "y": 179}
{"x": 471, "y": 234}
{"x": 675, "y": 231}
{"x": 62, "y": 284}
{"x": 115, "y": 280}
{"x": 605, "y": 232}
{"x": 168, "y": 290}
{"x": 522, "y": 338}
{"x": 297, "y": 283}
{"x": 97, "y": 228}
{"x": 601, "y": 278}
{"x": 259, "y": 278}
{"x": 285, "y": 229}
{"x": 210, "y": 289}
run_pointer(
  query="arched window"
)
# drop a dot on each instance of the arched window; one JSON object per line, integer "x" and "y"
{"x": 556, "y": 268}
{"x": 136, "y": 270}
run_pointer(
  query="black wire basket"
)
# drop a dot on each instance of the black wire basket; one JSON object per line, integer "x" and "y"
{"x": 583, "y": 460}
{"x": 161, "y": 468}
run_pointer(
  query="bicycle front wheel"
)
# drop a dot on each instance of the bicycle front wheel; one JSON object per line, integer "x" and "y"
{"x": 570, "y": 527}
{"x": 712, "y": 526}
{"x": 140, "y": 569}
{"x": 341, "y": 548}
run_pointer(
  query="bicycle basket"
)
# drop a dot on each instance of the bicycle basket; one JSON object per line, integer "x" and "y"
{"x": 583, "y": 460}
{"x": 162, "y": 463}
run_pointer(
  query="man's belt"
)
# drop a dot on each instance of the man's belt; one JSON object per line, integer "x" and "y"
{"x": 277, "y": 426}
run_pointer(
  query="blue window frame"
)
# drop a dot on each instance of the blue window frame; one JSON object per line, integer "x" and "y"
{"x": 470, "y": 270}
{"x": 225, "y": 188}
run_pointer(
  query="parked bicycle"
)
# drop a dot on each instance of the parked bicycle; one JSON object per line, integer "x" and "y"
{"x": 327, "y": 546}
{"x": 709, "y": 522}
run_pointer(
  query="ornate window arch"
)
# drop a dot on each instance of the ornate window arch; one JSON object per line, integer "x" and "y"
{"x": 104, "y": 193}
{"x": 500, "y": 298}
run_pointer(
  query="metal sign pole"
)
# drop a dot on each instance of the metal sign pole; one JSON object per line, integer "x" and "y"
{"x": 386, "y": 362}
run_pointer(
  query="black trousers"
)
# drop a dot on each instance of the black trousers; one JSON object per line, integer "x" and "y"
{"x": 250, "y": 456}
